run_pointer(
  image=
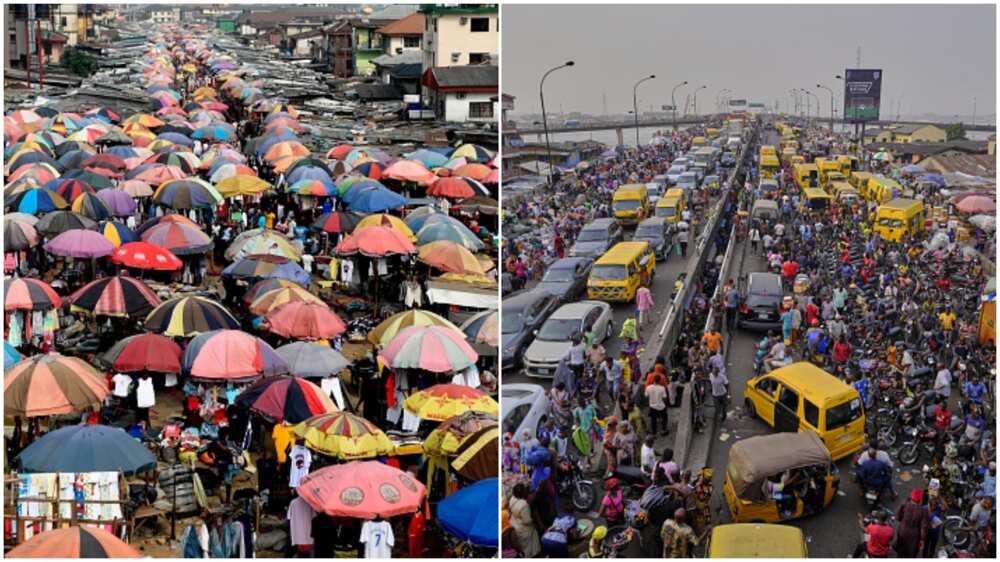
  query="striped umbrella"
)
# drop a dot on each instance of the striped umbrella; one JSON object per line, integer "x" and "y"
{"x": 189, "y": 316}
{"x": 267, "y": 301}
{"x": 286, "y": 399}
{"x": 312, "y": 360}
{"x": 18, "y": 235}
{"x": 11, "y": 356}
{"x": 445, "y": 439}
{"x": 188, "y": 193}
{"x": 181, "y": 238}
{"x": 117, "y": 233}
{"x": 92, "y": 206}
{"x": 472, "y": 153}
{"x": 344, "y": 436}
{"x": 265, "y": 285}
{"x": 22, "y": 293}
{"x": 143, "y": 255}
{"x": 443, "y": 401}
{"x": 305, "y": 321}
{"x": 143, "y": 352}
{"x": 230, "y": 355}
{"x": 432, "y": 348}
{"x": 57, "y": 222}
{"x": 313, "y": 188}
{"x": 450, "y": 257}
{"x": 114, "y": 296}
{"x": 261, "y": 266}
{"x": 70, "y": 189}
{"x": 381, "y": 219}
{"x": 51, "y": 384}
{"x": 457, "y": 188}
{"x": 37, "y": 200}
{"x": 483, "y": 328}
{"x": 263, "y": 241}
{"x": 337, "y": 222}
{"x": 478, "y": 457}
{"x": 387, "y": 329}
{"x": 74, "y": 542}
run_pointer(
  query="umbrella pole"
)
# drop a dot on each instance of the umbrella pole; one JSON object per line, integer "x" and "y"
{"x": 173, "y": 511}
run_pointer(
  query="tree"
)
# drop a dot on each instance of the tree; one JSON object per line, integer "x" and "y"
{"x": 79, "y": 62}
{"x": 955, "y": 131}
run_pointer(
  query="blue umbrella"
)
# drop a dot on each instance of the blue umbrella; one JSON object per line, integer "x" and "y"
{"x": 376, "y": 200}
{"x": 215, "y": 132}
{"x": 357, "y": 189}
{"x": 471, "y": 514}
{"x": 311, "y": 173}
{"x": 176, "y": 138}
{"x": 86, "y": 448}
{"x": 936, "y": 179}
{"x": 912, "y": 169}
{"x": 122, "y": 152}
{"x": 272, "y": 140}
{"x": 428, "y": 158}
{"x": 422, "y": 220}
{"x": 10, "y": 356}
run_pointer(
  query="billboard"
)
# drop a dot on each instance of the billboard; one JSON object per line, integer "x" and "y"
{"x": 737, "y": 103}
{"x": 862, "y": 94}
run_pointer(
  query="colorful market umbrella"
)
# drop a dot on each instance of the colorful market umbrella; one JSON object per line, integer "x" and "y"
{"x": 86, "y": 448}
{"x": 305, "y": 320}
{"x": 312, "y": 360}
{"x": 230, "y": 355}
{"x": 469, "y": 515}
{"x": 11, "y": 356}
{"x": 453, "y": 231}
{"x": 117, "y": 233}
{"x": 267, "y": 301}
{"x": 478, "y": 204}
{"x": 387, "y": 329}
{"x": 472, "y": 153}
{"x": 114, "y": 296}
{"x": 428, "y": 158}
{"x": 479, "y": 172}
{"x": 337, "y": 222}
{"x": 228, "y": 170}
{"x": 457, "y": 188}
{"x": 188, "y": 316}
{"x": 265, "y": 285}
{"x": 188, "y": 193}
{"x": 180, "y": 237}
{"x": 143, "y": 352}
{"x": 362, "y": 490}
{"x": 120, "y": 203}
{"x": 445, "y": 439}
{"x": 19, "y": 235}
{"x": 478, "y": 457}
{"x": 483, "y": 328}
{"x": 344, "y": 436}
{"x": 80, "y": 243}
{"x": 375, "y": 200}
{"x": 375, "y": 241}
{"x": 370, "y": 169}
{"x": 313, "y": 188}
{"x": 91, "y": 206}
{"x": 37, "y": 200}
{"x": 450, "y": 257}
{"x": 432, "y": 348}
{"x": 25, "y": 293}
{"x": 79, "y": 541}
{"x": 410, "y": 171}
{"x": 263, "y": 266}
{"x": 286, "y": 399}
{"x": 242, "y": 185}
{"x": 69, "y": 189}
{"x": 51, "y": 384}
{"x": 443, "y": 401}
{"x": 263, "y": 241}
{"x": 57, "y": 222}
{"x": 143, "y": 255}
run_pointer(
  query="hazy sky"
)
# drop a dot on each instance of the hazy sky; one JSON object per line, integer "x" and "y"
{"x": 936, "y": 57}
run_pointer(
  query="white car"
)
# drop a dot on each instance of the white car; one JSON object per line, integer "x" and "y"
{"x": 523, "y": 407}
{"x": 554, "y": 338}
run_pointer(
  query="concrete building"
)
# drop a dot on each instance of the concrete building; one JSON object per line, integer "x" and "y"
{"x": 918, "y": 133}
{"x": 463, "y": 34}
{"x": 991, "y": 145}
{"x": 56, "y": 26}
{"x": 403, "y": 35}
{"x": 463, "y": 94}
{"x": 165, "y": 15}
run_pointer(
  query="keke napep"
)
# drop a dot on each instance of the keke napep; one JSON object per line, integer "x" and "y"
{"x": 773, "y": 478}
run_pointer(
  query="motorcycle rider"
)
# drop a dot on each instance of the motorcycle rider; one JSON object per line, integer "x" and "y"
{"x": 778, "y": 356}
{"x": 879, "y": 534}
{"x": 874, "y": 471}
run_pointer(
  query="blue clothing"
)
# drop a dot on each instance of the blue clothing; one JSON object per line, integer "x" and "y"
{"x": 975, "y": 391}
{"x": 874, "y": 474}
{"x": 989, "y": 486}
{"x": 862, "y": 387}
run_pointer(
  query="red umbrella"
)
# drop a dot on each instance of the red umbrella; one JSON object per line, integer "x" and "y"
{"x": 976, "y": 204}
{"x": 144, "y": 352}
{"x": 362, "y": 490}
{"x": 286, "y": 398}
{"x": 339, "y": 152}
{"x": 305, "y": 320}
{"x": 143, "y": 255}
{"x": 409, "y": 170}
{"x": 24, "y": 293}
{"x": 457, "y": 188}
{"x": 376, "y": 241}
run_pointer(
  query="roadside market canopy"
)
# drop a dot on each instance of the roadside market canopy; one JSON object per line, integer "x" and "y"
{"x": 74, "y": 542}
{"x": 753, "y": 460}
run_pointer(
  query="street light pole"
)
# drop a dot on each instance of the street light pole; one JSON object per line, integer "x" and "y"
{"x": 718, "y": 104}
{"x": 673, "y": 103}
{"x": 545, "y": 122}
{"x": 635, "y": 105}
{"x": 696, "y": 99}
{"x": 831, "y": 104}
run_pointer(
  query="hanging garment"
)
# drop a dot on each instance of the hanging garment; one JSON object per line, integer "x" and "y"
{"x": 410, "y": 421}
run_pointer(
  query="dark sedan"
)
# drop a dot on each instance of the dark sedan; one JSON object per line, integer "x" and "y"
{"x": 523, "y": 313}
{"x": 761, "y": 308}
{"x": 567, "y": 278}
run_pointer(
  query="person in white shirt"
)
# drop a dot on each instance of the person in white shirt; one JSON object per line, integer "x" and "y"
{"x": 378, "y": 539}
{"x": 307, "y": 263}
{"x": 942, "y": 383}
{"x": 300, "y": 458}
{"x": 647, "y": 458}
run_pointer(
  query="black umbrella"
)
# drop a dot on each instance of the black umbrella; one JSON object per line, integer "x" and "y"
{"x": 98, "y": 181}
{"x": 70, "y": 146}
{"x": 113, "y": 138}
{"x": 57, "y": 222}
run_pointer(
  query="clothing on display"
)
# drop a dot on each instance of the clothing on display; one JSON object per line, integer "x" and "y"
{"x": 301, "y": 459}
{"x": 378, "y": 539}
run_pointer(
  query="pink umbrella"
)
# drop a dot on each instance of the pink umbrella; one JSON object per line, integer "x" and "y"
{"x": 80, "y": 243}
{"x": 363, "y": 490}
{"x": 305, "y": 320}
{"x": 120, "y": 203}
{"x": 409, "y": 170}
{"x": 159, "y": 173}
{"x": 975, "y": 204}
{"x": 136, "y": 188}
{"x": 433, "y": 348}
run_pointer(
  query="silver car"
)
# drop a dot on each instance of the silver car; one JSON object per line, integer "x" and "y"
{"x": 523, "y": 407}
{"x": 554, "y": 338}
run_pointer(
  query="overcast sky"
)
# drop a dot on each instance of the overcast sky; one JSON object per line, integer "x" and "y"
{"x": 936, "y": 57}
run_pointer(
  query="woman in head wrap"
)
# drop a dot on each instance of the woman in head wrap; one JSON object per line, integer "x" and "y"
{"x": 523, "y": 523}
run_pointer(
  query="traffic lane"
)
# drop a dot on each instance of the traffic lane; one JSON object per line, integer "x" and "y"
{"x": 833, "y": 533}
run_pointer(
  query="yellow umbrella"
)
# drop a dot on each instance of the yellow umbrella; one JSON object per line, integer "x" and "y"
{"x": 285, "y": 149}
{"x": 190, "y": 67}
{"x": 388, "y": 328}
{"x": 443, "y": 401}
{"x": 277, "y": 297}
{"x": 445, "y": 439}
{"x": 144, "y": 119}
{"x": 450, "y": 257}
{"x": 344, "y": 435}
{"x": 242, "y": 185}
{"x": 136, "y": 130}
{"x": 396, "y": 223}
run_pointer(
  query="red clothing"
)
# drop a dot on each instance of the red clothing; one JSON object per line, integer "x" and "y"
{"x": 812, "y": 314}
{"x": 942, "y": 418}
{"x": 390, "y": 390}
{"x": 415, "y": 533}
{"x": 789, "y": 269}
{"x": 841, "y": 351}
{"x": 879, "y": 539}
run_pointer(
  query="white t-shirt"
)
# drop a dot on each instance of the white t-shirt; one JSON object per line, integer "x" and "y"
{"x": 169, "y": 379}
{"x": 307, "y": 263}
{"x": 301, "y": 459}
{"x": 145, "y": 395}
{"x": 378, "y": 539}
{"x": 122, "y": 381}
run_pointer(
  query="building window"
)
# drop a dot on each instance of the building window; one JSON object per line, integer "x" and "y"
{"x": 62, "y": 21}
{"x": 478, "y": 58}
{"x": 481, "y": 110}
{"x": 479, "y": 25}
{"x": 411, "y": 42}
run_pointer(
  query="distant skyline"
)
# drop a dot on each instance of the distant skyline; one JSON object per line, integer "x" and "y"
{"x": 935, "y": 58}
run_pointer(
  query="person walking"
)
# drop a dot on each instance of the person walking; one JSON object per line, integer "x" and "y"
{"x": 733, "y": 299}
{"x": 720, "y": 392}
{"x": 913, "y": 519}
{"x": 656, "y": 395}
{"x": 643, "y": 304}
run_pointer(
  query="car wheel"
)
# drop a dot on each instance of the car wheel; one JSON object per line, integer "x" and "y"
{"x": 751, "y": 411}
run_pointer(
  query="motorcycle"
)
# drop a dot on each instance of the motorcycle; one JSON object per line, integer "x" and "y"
{"x": 920, "y": 438}
{"x": 572, "y": 482}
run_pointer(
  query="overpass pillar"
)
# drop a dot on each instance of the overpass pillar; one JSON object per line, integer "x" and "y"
{"x": 621, "y": 135}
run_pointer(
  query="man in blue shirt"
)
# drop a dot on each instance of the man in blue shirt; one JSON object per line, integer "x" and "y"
{"x": 974, "y": 390}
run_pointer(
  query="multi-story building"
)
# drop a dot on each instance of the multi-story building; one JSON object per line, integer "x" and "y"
{"x": 460, "y": 34}
{"x": 164, "y": 15}
{"x": 463, "y": 94}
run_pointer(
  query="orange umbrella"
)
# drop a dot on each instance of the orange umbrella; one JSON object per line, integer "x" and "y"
{"x": 305, "y": 320}
{"x": 475, "y": 171}
{"x": 285, "y": 149}
{"x": 409, "y": 170}
{"x": 450, "y": 257}
{"x": 145, "y": 120}
{"x": 339, "y": 152}
{"x": 376, "y": 241}
{"x": 74, "y": 542}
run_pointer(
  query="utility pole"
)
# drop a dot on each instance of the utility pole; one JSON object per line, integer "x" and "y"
{"x": 859, "y": 57}
{"x": 41, "y": 53}
{"x": 604, "y": 103}
{"x": 973, "y": 111}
